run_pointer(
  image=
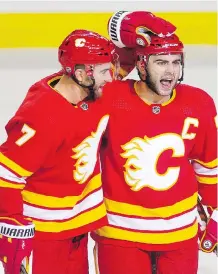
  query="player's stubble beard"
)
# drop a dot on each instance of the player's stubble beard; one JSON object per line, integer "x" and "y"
{"x": 89, "y": 84}
{"x": 91, "y": 88}
{"x": 152, "y": 86}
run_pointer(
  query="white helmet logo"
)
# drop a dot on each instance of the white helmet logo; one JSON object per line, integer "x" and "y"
{"x": 80, "y": 42}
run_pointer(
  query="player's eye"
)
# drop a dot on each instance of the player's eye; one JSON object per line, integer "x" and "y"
{"x": 177, "y": 62}
{"x": 104, "y": 71}
{"x": 162, "y": 63}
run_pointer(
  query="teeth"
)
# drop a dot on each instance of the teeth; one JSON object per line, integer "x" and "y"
{"x": 167, "y": 79}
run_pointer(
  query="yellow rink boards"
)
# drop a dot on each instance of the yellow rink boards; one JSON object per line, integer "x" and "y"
{"x": 49, "y": 29}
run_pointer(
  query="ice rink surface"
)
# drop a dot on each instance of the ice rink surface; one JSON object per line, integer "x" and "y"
{"x": 20, "y": 68}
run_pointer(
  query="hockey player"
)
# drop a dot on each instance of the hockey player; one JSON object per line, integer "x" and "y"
{"x": 49, "y": 169}
{"x": 160, "y": 152}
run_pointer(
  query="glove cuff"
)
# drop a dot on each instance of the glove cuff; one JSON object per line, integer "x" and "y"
{"x": 208, "y": 242}
{"x": 17, "y": 231}
{"x": 114, "y": 26}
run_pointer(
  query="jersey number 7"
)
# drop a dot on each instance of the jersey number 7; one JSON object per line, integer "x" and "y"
{"x": 28, "y": 133}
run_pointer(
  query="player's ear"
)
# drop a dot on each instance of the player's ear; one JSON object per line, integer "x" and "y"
{"x": 140, "y": 65}
{"x": 79, "y": 74}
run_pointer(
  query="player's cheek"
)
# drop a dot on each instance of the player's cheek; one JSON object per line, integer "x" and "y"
{"x": 110, "y": 76}
{"x": 98, "y": 80}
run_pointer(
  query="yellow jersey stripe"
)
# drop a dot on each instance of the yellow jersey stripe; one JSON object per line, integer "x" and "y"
{"x": 161, "y": 212}
{"x": 14, "y": 167}
{"x": 207, "y": 180}
{"x": 55, "y": 202}
{"x": 52, "y": 214}
{"x": 79, "y": 221}
{"x": 210, "y": 164}
{"x": 11, "y": 185}
{"x": 149, "y": 238}
{"x": 11, "y": 219}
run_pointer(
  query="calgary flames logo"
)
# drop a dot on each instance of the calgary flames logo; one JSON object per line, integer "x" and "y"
{"x": 140, "y": 169}
{"x": 86, "y": 153}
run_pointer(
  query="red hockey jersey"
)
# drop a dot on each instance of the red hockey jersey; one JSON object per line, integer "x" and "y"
{"x": 49, "y": 165}
{"x": 156, "y": 159}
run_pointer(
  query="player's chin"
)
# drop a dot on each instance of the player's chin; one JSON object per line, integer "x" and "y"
{"x": 98, "y": 92}
{"x": 165, "y": 91}
{"x": 162, "y": 92}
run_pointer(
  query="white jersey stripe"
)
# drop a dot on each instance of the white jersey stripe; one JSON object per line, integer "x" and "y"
{"x": 155, "y": 224}
{"x": 63, "y": 214}
{"x": 10, "y": 176}
{"x": 201, "y": 170}
{"x": 214, "y": 216}
{"x": 114, "y": 27}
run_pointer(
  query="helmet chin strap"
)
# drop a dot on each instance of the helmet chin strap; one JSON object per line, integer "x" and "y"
{"x": 90, "y": 87}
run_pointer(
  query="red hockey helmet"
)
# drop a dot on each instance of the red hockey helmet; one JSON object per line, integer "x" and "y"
{"x": 84, "y": 47}
{"x": 161, "y": 45}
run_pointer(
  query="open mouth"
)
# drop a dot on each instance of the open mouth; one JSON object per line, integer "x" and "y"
{"x": 166, "y": 83}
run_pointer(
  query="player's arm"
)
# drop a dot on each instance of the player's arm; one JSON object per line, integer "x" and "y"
{"x": 21, "y": 155}
{"x": 130, "y": 29}
{"x": 126, "y": 62}
{"x": 205, "y": 166}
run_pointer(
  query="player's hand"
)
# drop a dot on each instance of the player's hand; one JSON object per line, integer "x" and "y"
{"x": 208, "y": 235}
{"x": 15, "y": 243}
{"x": 130, "y": 29}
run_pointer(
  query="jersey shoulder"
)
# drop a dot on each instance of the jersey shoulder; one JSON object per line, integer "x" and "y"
{"x": 193, "y": 92}
{"x": 194, "y": 96}
{"x": 41, "y": 96}
{"x": 42, "y": 107}
{"x": 117, "y": 95}
{"x": 118, "y": 88}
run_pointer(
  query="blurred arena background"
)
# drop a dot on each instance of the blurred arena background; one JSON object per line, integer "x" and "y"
{"x": 31, "y": 31}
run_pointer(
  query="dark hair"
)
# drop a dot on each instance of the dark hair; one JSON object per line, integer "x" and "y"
{"x": 79, "y": 66}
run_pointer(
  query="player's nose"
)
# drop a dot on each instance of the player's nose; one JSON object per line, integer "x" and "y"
{"x": 170, "y": 68}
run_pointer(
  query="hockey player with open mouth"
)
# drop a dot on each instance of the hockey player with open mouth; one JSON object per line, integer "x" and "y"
{"x": 159, "y": 154}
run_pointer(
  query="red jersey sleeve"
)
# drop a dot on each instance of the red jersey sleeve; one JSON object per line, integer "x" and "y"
{"x": 205, "y": 154}
{"x": 29, "y": 142}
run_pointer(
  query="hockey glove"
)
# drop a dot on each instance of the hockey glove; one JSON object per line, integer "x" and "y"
{"x": 15, "y": 244}
{"x": 208, "y": 234}
{"x": 129, "y": 29}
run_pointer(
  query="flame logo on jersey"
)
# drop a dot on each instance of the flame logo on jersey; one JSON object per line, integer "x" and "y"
{"x": 140, "y": 169}
{"x": 86, "y": 153}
